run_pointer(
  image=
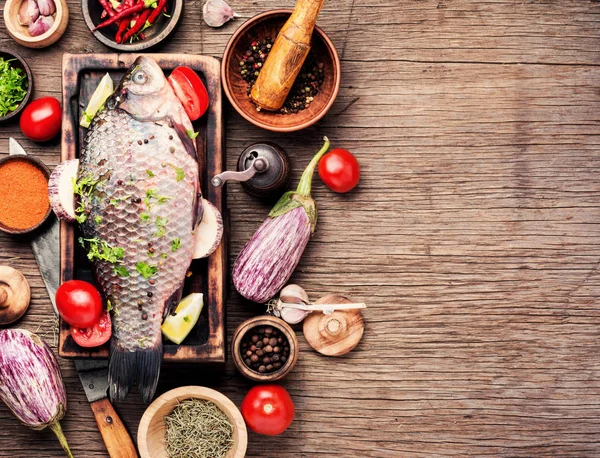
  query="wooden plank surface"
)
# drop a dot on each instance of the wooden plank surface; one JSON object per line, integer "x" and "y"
{"x": 473, "y": 236}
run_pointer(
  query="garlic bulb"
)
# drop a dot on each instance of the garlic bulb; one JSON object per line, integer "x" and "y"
{"x": 292, "y": 294}
{"x": 217, "y": 12}
{"x": 28, "y": 12}
{"x": 40, "y": 26}
{"x": 47, "y": 7}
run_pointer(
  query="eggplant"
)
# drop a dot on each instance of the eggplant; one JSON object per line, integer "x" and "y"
{"x": 268, "y": 260}
{"x": 30, "y": 382}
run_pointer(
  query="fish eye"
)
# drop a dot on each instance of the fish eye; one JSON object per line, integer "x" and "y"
{"x": 140, "y": 77}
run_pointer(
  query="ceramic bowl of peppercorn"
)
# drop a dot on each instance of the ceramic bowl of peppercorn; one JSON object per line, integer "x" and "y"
{"x": 132, "y": 25}
{"x": 313, "y": 92}
{"x": 264, "y": 348}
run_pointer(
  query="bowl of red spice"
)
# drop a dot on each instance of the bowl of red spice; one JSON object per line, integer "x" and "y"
{"x": 24, "y": 202}
{"x": 313, "y": 92}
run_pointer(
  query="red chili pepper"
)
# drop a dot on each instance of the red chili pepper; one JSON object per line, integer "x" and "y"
{"x": 138, "y": 24}
{"x": 157, "y": 11}
{"x": 104, "y": 14}
{"x": 107, "y": 7}
{"x": 125, "y": 13}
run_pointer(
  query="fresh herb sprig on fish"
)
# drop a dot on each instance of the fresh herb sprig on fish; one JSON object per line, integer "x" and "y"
{"x": 99, "y": 250}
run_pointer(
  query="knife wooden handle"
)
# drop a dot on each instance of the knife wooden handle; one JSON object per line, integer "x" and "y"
{"x": 114, "y": 433}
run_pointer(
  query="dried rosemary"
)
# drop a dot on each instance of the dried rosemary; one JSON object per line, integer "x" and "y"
{"x": 197, "y": 428}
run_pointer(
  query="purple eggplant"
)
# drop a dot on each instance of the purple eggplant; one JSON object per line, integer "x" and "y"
{"x": 30, "y": 382}
{"x": 268, "y": 260}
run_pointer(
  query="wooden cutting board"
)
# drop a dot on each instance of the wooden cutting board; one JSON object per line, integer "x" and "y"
{"x": 81, "y": 75}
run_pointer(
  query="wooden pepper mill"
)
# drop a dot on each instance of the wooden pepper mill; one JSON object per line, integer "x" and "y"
{"x": 337, "y": 333}
{"x": 287, "y": 56}
{"x": 14, "y": 295}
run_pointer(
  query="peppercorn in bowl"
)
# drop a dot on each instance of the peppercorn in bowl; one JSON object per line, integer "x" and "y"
{"x": 264, "y": 348}
{"x": 313, "y": 92}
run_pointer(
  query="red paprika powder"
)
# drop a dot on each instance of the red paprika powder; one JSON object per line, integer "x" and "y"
{"x": 23, "y": 195}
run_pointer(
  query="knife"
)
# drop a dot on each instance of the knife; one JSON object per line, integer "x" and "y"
{"x": 45, "y": 245}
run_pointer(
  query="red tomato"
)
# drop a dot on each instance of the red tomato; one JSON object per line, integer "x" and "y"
{"x": 95, "y": 336}
{"x": 190, "y": 89}
{"x": 339, "y": 170}
{"x": 268, "y": 409}
{"x": 79, "y": 303}
{"x": 41, "y": 119}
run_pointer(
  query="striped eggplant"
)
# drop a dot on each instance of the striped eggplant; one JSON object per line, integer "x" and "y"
{"x": 268, "y": 260}
{"x": 30, "y": 382}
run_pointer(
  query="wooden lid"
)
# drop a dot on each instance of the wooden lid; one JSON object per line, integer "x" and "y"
{"x": 336, "y": 333}
{"x": 14, "y": 295}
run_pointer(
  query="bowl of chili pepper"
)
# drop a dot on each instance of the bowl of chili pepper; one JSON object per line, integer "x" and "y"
{"x": 132, "y": 25}
{"x": 24, "y": 202}
{"x": 16, "y": 87}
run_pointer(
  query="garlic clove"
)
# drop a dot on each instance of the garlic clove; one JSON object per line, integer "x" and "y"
{"x": 217, "y": 12}
{"x": 40, "y": 26}
{"x": 28, "y": 12}
{"x": 293, "y": 316}
{"x": 47, "y": 7}
{"x": 294, "y": 294}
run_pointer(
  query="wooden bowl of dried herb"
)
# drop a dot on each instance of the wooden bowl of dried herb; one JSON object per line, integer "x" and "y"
{"x": 192, "y": 421}
{"x": 16, "y": 87}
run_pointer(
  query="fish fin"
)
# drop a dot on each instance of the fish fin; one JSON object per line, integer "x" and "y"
{"x": 184, "y": 135}
{"x": 198, "y": 208}
{"x": 173, "y": 301}
{"x": 125, "y": 367}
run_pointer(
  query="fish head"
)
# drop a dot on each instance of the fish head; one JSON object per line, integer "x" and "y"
{"x": 145, "y": 93}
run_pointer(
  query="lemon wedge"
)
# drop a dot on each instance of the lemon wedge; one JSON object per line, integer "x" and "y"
{"x": 177, "y": 327}
{"x": 102, "y": 92}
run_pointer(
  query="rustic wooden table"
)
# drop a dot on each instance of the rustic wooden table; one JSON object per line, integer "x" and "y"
{"x": 473, "y": 235}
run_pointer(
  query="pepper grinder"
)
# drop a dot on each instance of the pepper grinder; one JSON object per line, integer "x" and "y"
{"x": 262, "y": 168}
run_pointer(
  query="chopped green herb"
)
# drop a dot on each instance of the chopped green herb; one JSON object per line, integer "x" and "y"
{"x": 175, "y": 244}
{"x": 109, "y": 305}
{"x": 146, "y": 270}
{"x": 192, "y": 134}
{"x": 121, "y": 271}
{"x": 98, "y": 219}
{"x": 83, "y": 187}
{"x": 13, "y": 86}
{"x": 101, "y": 251}
{"x": 179, "y": 173}
{"x": 150, "y": 173}
{"x": 186, "y": 319}
{"x": 160, "y": 224}
{"x": 114, "y": 202}
{"x": 164, "y": 255}
{"x": 150, "y": 254}
{"x": 152, "y": 194}
{"x": 145, "y": 216}
{"x": 142, "y": 341}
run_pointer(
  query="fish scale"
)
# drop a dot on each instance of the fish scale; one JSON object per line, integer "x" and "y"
{"x": 143, "y": 200}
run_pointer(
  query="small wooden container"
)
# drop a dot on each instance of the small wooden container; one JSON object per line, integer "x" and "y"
{"x": 42, "y": 167}
{"x": 151, "y": 432}
{"x": 246, "y": 327}
{"x": 155, "y": 35}
{"x": 266, "y": 25}
{"x": 18, "y": 62}
{"x": 19, "y": 33}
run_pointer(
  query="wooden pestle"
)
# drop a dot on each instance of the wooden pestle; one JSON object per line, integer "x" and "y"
{"x": 286, "y": 57}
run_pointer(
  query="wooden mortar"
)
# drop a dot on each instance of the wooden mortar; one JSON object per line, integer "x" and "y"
{"x": 287, "y": 56}
{"x": 14, "y": 295}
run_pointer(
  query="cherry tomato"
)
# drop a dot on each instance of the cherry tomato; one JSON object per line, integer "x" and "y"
{"x": 268, "y": 409}
{"x": 190, "y": 89}
{"x": 41, "y": 119}
{"x": 94, "y": 336}
{"x": 79, "y": 303}
{"x": 339, "y": 170}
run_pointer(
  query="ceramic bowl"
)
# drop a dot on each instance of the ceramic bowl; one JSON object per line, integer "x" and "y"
{"x": 19, "y": 33}
{"x": 18, "y": 63}
{"x": 41, "y": 166}
{"x": 160, "y": 31}
{"x": 248, "y": 327}
{"x": 151, "y": 432}
{"x": 236, "y": 88}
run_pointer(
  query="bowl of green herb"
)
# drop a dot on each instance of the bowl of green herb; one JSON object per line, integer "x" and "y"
{"x": 16, "y": 85}
{"x": 192, "y": 422}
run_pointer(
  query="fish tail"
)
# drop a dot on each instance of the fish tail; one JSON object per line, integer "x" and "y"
{"x": 126, "y": 367}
